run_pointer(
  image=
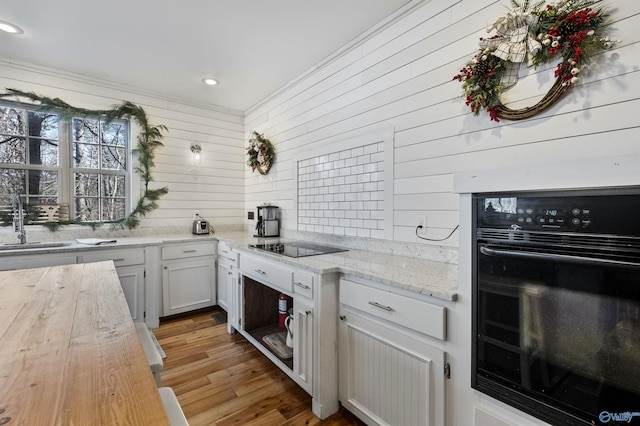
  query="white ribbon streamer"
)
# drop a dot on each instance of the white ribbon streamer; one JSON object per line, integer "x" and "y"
{"x": 512, "y": 44}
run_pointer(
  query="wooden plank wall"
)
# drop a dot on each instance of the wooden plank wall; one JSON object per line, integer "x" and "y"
{"x": 214, "y": 189}
{"x": 401, "y": 78}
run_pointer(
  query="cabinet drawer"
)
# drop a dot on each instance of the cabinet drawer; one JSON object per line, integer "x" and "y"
{"x": 303, "y": 284}
{"x": 11, "y": 263}
{"x": 268, "y": 273}
{"x": 182, "y": 251}
{"x": 122, "y": 257}
{"x": 226, "y": 252}
{"x": 414, "y": 314}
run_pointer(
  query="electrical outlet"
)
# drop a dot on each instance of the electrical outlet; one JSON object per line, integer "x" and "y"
{"x": 421, "y": 223}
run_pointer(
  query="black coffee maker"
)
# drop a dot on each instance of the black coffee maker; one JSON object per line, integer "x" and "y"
{"x": 268, "y": 224}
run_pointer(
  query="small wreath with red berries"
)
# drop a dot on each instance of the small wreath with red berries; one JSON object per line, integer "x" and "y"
{"x": 261, "y": 153}
{"x": 567, "y": 30}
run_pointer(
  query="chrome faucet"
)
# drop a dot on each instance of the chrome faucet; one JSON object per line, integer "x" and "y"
{"x": 18, "y": 219}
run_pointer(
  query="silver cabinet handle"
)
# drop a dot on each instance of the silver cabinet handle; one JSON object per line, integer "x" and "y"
{"x": 378, "y": 305}
{"x": 260, "y": 271}
{"x": 118, "y": 260}
{"x": 190, "y": 251}
{"x": 306, "y": 287}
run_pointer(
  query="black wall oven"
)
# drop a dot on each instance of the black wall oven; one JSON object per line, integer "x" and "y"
{"x": 556, "y": 304}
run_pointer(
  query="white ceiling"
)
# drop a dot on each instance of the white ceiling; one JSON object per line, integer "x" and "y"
{"x": 253, "y": 47}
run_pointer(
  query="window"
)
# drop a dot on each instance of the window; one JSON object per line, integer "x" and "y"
{"x": 82, "y": 162}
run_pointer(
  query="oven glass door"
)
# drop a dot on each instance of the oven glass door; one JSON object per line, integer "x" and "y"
{"x": 557, "y": 335}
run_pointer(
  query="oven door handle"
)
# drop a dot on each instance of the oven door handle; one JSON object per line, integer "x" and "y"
{"x": 580, "y": 260}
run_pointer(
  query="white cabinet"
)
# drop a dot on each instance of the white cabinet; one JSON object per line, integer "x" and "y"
{"x": 224, "y": 278}
{"x": 235, "y": 300}
{"x": 391, "y": 361}
{"x": 227, "y": 263}
{"x": 188, "y": 277}
{"x": 228, "y": 286}
{"x": 268, "y": 272}
{"x": 303, "y": 342}
{"x": 312, "y": 363}
{"x": 26, "y": 261}
{"x": 130, "y": 266}
{"x": 132, "y": 280}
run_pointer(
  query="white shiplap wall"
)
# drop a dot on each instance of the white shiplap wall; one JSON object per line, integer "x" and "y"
{"x": 401, "y": 77}
{"x": 214, "y": 189}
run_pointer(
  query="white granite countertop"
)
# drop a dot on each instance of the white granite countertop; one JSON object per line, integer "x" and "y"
{"x": 73, "y": 245}
{"x": 427, "y": 277}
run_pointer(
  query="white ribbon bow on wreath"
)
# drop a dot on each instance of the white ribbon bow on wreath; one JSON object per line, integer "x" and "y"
{"x": 513, "y": 43}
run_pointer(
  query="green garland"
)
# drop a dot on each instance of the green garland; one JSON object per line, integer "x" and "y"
{"x": 569, "y": 30}
{"x": 149, "y": 139}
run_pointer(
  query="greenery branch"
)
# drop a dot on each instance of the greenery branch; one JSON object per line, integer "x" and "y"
{"x": 149, "y": 139}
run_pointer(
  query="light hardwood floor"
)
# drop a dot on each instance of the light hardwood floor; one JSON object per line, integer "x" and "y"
{"x": 222, "y": 380}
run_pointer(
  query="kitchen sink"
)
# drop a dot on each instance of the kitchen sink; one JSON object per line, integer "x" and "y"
{"x": 31, "y": 246}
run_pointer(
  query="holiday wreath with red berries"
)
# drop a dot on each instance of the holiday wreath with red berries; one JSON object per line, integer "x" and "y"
{"x": 569, "y": 31}
{"x": 260, "y": 153}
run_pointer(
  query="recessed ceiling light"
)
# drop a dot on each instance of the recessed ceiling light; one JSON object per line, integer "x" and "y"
{"x": 209, "y": 81}
{"x": 8, "y": 27}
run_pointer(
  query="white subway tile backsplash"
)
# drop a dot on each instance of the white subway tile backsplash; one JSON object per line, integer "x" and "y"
{"x": 351, "y": 232}
{"x": 377, "y": 234}
{"x": 365, "y": 177}
{"x": 370, "y": 149}
{"x": 364, "y": 196}
{"x": 342, "y": 193}
{"x": 364, "y": 214}
{"x": 364, "y": 233}
{"x": 364, "y": 159}
{"x": 357, "y": 187}
{"x": 372, "y": 187}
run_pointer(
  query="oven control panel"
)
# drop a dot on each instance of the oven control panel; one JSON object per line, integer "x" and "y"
{"x": 550, "y": 217}
{"x": 614, "y": 214}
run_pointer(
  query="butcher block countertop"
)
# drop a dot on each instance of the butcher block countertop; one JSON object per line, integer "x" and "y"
{"x": 69, "y": 351}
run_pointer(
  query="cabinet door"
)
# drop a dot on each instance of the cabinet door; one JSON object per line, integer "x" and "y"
{"x": 303, "y": 342}
{"x": 132, "y": 281}
{"x": 235, "y": 300}
{"x": 224, "y": 272}
{"x": 388, "y": 376}
{"x": 188, "y": 285}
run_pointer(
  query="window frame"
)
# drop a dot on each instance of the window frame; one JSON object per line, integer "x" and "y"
{"x": 66, "y": 169}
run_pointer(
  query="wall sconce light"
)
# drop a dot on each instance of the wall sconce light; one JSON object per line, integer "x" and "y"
{"x": 196, "y": 150}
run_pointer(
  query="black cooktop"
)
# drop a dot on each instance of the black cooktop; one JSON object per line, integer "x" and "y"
{"x": 297, "y": 248}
